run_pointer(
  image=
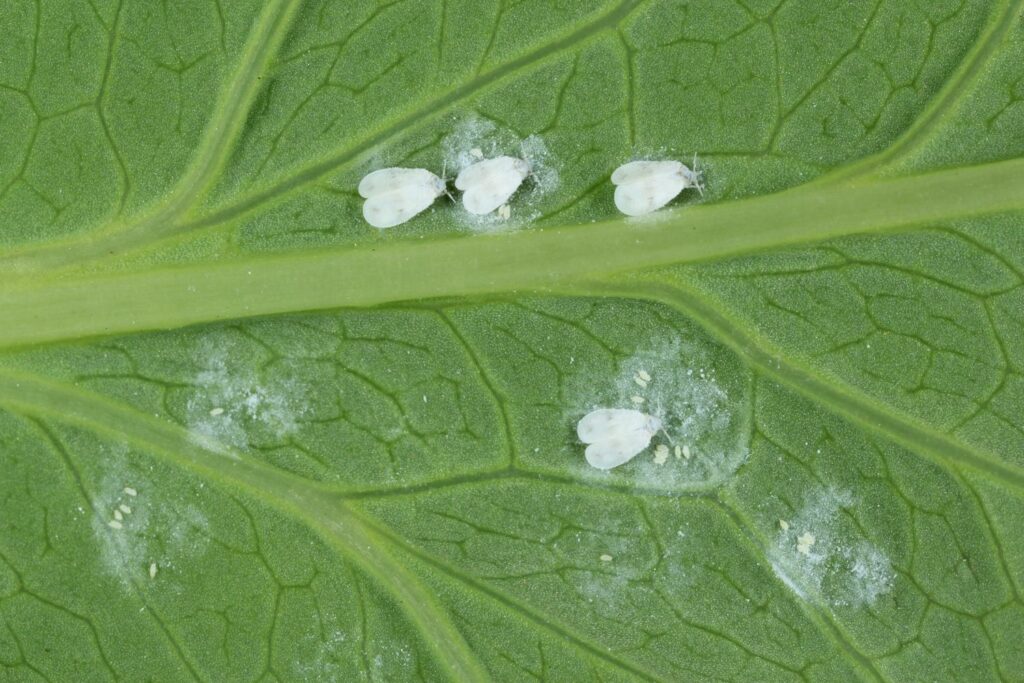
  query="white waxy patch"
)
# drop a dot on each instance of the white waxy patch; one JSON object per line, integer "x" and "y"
{"x": 504, "y": 212}
{"x": 660, "y": 454}
{"x": 125, "y": 509}
{"x": 606, "y": 558}
{"x": 488, "y": 184}
{"x": 646, "y": 186}
{"x": 395, "y": 195}
{"x": 114, "y": 524}
{"x": 118, "y": 516}
{"x": 832, "y": 563}
{"x": 615, "y": 435}
{"x": 644, "y": 375}
{"x": 152, "y": 570}
{"x": 640, "y": 381}
{"x": 686, "y": 452}
{"x": 216, "y": 411}
{"x": 476, "y": 153}
{"x": 130, "y": 491}
{"x": 805, "y": 542}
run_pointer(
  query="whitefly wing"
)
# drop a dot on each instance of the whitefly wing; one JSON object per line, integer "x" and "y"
{"x": 490, "y": 183}
{"x": 639, "y": 197}
{"x": 388, "y": 209}
{"x": 605, "y": 423}
{"x": 389, "y": 179}
{"x": 636, "y": 171}
{"x": 617, "y": 450}
{"x": 481, "y": 171}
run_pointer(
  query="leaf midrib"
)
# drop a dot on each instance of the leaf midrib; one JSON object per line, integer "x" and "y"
{"x": 37, "y": 310}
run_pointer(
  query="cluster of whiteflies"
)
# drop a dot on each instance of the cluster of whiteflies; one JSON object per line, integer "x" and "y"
{"x": 395, "y": 195}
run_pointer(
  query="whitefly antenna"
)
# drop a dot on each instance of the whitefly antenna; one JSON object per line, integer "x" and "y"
{"x": 661, "y": 423}
{"x": 697, "y": 172}
{"x": 444, "y": 179}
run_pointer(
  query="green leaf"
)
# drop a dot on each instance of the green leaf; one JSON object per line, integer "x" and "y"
{"x": 245, "y": 436}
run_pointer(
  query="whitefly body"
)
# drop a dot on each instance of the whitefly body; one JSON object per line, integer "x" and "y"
{"x": 646, "y": 186}
{"x": 615, "y": 435}
{"x": 394, "y": 195}
{"x": 489, "y": 184}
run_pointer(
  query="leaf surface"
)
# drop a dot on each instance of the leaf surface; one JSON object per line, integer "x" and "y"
{"x": 248, "y": 437}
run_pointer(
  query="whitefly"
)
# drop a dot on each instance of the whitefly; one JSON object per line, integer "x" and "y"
{"x": 488, "y": 184}
{"x": 615, "y": 435}
{"x": 395, "y": 195}
{"x": 642, "y": 187}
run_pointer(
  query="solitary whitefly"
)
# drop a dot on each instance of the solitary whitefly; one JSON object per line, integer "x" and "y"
{"x": 394, "y": 195}
{"x": 488, "y": 184}
{"x": 646, "y": 186}
{"x": 615, "y": 435}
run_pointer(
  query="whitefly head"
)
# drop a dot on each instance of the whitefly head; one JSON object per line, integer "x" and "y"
{"x": 653, "y": 424}
{"x": 693, "y": 177}
{"x": 440, "y": 186}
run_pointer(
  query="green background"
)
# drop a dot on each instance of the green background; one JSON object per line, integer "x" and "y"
{"x": 353, "y": 452}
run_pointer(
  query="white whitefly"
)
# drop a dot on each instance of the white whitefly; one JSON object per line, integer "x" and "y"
{"x": 395, "y": 195}
{"x": 615, "y": 435}
{"x": 700, "y": 394}
{"x": 488, "y": 184}
{"x": 646, "y": 186}
{"x": 474, "y": 138}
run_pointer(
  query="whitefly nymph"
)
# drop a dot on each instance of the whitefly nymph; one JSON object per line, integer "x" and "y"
{"x": 645, "y": 186}
{"x": 615, "y": 435}
{"x": 395, "y": 195}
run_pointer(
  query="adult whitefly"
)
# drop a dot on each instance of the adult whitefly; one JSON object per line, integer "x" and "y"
{"x": 489, "y": 184}
{"x": 394, "y": 195}
{"x": 646, "y": 186}
{"x": 615, "y": 435}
